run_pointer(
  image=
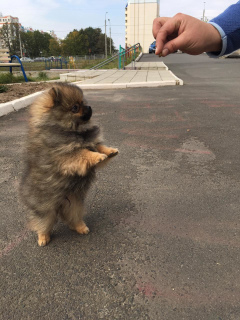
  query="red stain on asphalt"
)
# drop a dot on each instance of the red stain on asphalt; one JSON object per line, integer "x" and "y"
{"x": 14, "y": 243}
{"x": 147, "y": 289}
{"x": 151, "y": 291}
{"x": 158, "y": 147}
{"x": 152, "y": 118}
{"x": 178, "y": 116}
{"x": 149, "y": 133}
{"x": 204, "y": 232}
{"x": 184, "y": 296}
{"x": 219, "y": 104}
{"x": 124, "y": 118}
{"x": 193, "y": 151}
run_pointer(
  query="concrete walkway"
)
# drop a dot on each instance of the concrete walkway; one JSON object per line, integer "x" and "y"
{"x": 146, "y": 74}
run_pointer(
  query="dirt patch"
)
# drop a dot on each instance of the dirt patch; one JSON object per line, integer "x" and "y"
{"x": 19, "y": 90}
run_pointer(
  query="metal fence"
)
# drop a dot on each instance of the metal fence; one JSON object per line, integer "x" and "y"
{"x": 123, "y": 56}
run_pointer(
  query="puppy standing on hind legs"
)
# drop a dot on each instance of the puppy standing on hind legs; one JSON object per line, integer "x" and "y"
{"x": 63, "y": 149}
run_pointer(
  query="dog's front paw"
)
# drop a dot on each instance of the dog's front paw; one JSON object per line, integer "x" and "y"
{"x": 112, "y": 152}
{"x": 98, "y": 157}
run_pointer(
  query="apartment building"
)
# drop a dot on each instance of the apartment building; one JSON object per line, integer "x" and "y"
{"x": 7, "y": 19}
{"x": 139, "y": 16}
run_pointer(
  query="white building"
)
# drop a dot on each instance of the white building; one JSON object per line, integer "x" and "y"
{"x": 139, "y": 16}
{"x": 3, "y": 20}
{"x": 7, "y": 19}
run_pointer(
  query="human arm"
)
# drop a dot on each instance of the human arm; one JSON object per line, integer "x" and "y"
{"x": 228, "y": 25}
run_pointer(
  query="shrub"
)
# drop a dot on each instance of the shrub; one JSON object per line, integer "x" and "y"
{"x": 3, "y": 88}
{"x": 42, "y": 76}
{"x": 10, "y": 78}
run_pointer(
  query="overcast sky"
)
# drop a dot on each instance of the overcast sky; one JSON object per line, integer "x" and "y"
{"x": 63, "y": 16}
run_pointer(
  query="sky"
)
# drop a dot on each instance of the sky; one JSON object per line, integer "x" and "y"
{"x": 63, "y": 16}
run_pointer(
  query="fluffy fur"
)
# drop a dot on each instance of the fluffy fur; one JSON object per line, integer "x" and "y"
{"x": 63, "y": 149}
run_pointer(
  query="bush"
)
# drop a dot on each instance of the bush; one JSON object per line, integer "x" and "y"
{"x": 42, "y": 76}
{"x": 10, "y": 78}
{"x": 3, "y": 88}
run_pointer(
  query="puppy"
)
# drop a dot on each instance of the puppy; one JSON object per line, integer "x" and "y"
{"x": 63, "y": 149}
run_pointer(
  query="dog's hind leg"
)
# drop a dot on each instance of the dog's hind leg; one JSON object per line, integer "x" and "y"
{"x": 43, "y": 224}
{"x": 72, "y": 212}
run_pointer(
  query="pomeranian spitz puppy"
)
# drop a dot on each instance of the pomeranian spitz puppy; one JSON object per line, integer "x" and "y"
{"x": 63, "y": 149}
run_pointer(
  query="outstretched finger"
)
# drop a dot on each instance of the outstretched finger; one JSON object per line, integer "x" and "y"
{"x": 157, "y": 25}
{"x": 167, "y": 30}
{"x": 174, "y": 45}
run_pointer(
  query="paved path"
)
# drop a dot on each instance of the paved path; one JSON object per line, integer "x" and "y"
{"x": 148, "y": 74}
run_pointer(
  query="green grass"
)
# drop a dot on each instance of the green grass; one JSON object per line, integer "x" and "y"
{"x": 42, "y": 76}
{"x": 6, "y": 78}
{"x": 3, "y": 88}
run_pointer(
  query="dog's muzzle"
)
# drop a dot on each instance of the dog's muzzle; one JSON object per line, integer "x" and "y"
{"x": 87, "y": 113}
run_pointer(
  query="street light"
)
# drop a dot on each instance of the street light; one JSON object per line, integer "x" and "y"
{"x": 105, "y": 36}
{"x": 110, "y": 38}
{"x": 204, "y": 12}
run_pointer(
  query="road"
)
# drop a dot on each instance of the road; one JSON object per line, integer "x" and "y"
{"x": 164, "y": 215}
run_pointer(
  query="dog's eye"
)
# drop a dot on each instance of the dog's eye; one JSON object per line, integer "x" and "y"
{"x": 75, "y": 109}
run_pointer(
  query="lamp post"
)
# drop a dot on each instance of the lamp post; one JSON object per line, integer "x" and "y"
{"x": 110, "y": 38}
{"x": 20, "y": 43}
{"x": 105, "y": 36}
{"x": 203, "y": 18}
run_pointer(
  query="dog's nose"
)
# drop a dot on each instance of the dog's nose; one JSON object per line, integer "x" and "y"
{"x": 87, "y": 113}
{"x": 89, "y": 109}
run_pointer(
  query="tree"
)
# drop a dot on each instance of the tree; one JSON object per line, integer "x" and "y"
{"x": 76, "y": 43}
{"x": 36, "y": 43}
{"x": 27, "y": 42}
{"x": 85, "y": 41}
{"x": 54, "y": 47}
{"x": 10, "y": 35}
{"x": 93, "y": 38}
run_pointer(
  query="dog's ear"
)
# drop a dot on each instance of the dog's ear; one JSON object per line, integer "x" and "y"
{"x": 56, "y": 95}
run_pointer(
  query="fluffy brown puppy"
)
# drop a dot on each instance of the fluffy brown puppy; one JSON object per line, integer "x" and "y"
{"x": 63, "y": 149}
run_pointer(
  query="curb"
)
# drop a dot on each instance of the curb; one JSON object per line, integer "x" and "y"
{"x": 139, "y": 57}
{"x": 17, "y": 104}
{"x": 178, "y": 80}
{"x": 149, "y": 84}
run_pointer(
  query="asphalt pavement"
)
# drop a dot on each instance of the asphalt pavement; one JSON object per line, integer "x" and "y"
{"x": 163, "y": 215}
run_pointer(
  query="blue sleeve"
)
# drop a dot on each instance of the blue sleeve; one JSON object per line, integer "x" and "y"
{"x": 228, "y": 25}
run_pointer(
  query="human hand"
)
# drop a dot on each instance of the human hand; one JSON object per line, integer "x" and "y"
{"x": 185, "y": 33}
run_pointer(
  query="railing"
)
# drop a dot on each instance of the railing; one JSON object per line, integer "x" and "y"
{"x": 55, "y": 63}
{"x": 123, "y": 56}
